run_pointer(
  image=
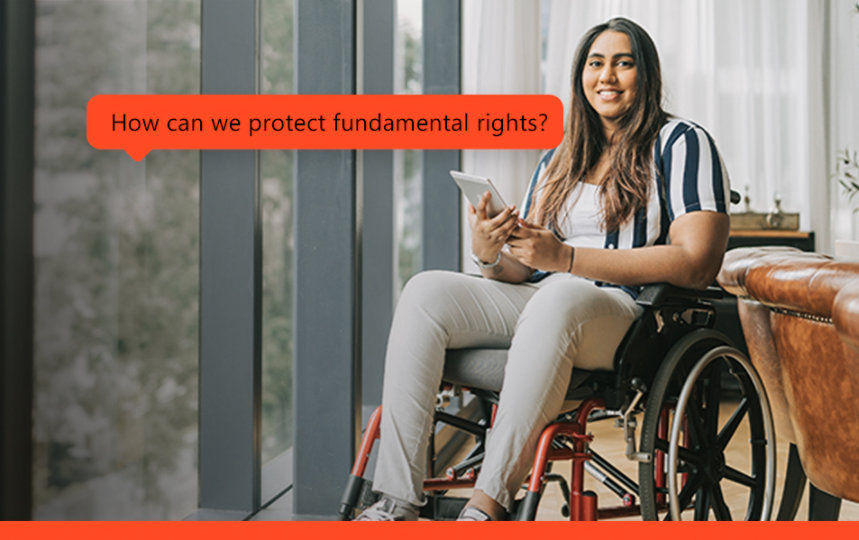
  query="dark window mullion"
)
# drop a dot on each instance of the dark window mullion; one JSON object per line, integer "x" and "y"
{"x": 442, "y": 23}
{"x": 17, "y": 94}
{"x": 327, "y": 277}
{"x": 230, "y": 276}
{"x": 377, "y": 208}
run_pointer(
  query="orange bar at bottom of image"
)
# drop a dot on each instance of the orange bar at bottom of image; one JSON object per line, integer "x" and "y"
{"x": 258, "y": 530}
{"x": 141, "y": 123}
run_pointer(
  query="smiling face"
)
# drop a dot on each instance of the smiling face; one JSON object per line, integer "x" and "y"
{"x": 610, "y": 78}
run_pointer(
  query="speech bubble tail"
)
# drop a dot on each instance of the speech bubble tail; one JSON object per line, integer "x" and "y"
{"x": 137, "y": 154}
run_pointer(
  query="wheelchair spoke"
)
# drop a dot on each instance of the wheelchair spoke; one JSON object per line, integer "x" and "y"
{"x": 738, "y": 477}
{"x": 733, "y": 423}
{"x": 684, "y": 454}
{"x": 697, "y": 429}
{"x": 702, "y": 505}
{"x": 692, "y": 485}
{"x": 712, "y": 397}
{"x": 720, "y": 508}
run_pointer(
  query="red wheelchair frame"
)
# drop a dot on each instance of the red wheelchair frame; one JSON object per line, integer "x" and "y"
{"x": 654, "y": 362}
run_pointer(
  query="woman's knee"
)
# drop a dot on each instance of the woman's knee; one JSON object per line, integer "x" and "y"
{"x": 428, "y": 280}
{"x": 431, "y": 289}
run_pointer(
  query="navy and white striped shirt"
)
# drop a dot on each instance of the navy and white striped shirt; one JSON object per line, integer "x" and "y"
{"x": 688, "y": 175}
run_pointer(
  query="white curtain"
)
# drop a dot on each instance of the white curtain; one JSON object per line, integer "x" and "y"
{"x": 774, "y": 81}
{"x": 501, "y": 55}
{"x": 842, "y": 106}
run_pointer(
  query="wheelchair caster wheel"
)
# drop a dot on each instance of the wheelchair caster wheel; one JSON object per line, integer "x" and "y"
{"x": 565, "y": 510}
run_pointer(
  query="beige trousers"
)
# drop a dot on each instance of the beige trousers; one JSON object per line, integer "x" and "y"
{"x": 548, "y": 326}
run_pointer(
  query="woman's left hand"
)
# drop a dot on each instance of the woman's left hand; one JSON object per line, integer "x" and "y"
{"x": 538, "y": 247}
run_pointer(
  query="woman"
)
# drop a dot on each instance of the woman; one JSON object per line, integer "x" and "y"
{"x": 630, "y": 197}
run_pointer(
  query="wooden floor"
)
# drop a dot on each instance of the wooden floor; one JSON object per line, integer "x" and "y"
{"x": 609, "y": 443}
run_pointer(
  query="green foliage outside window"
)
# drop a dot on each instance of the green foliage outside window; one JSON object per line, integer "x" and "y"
{"x": 276, "y": 181}
{"x": 117, "y": 270}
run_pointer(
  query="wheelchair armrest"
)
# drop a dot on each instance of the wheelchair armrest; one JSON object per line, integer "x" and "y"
{"x": 657, "y": 294}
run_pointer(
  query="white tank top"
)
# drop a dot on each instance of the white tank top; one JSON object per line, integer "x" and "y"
{"x": 580, "y": 218}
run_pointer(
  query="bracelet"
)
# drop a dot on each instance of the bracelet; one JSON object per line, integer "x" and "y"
{"x": 572, "y": 255}
{"x": 485, "y": 265}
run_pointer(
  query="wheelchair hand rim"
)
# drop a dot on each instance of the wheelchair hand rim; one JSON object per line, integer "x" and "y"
{"x": 769, "y": 429}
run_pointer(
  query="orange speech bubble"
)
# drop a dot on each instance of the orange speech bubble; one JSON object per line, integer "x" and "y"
{"x": 140, "y": 123}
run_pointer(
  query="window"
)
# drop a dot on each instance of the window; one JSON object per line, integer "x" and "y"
{"x": 407, "y": 163}
{"x": 116, "y": 254}
{"x": 276, "y": 181}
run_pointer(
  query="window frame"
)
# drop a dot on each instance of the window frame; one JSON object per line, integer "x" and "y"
{"x": 17, "y": 206}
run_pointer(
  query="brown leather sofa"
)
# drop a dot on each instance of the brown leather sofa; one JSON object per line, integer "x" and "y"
{"x": 800, "y": 318}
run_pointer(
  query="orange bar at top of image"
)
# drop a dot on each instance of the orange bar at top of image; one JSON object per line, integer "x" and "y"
{"x": 141, "y": 123}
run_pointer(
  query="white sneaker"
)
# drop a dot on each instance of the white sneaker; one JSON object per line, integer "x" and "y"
{"x": 470, "y": 513}
{"x": 389, "y": 509}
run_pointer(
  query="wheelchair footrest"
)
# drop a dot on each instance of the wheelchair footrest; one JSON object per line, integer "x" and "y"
{"x": 442, "y": 508}
{"x": 358, "y": 495}
{"x": 447, "y": 508}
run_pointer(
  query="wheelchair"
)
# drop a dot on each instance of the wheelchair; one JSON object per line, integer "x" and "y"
{"x": 673, "y": 368}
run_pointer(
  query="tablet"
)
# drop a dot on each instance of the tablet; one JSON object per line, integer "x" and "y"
{"x": 473, "y": 187}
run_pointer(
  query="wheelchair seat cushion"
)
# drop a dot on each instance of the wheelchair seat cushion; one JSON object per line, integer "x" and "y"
{"x": 484, "y": 369}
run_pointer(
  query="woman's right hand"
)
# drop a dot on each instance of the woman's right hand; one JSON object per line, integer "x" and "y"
{"x": 488, "y": 235}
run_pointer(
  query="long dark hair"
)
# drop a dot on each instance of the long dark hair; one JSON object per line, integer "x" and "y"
{"x": 626, "y": 186}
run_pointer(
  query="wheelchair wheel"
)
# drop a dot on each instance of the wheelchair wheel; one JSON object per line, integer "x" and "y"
{"x": 708, "y": 434}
